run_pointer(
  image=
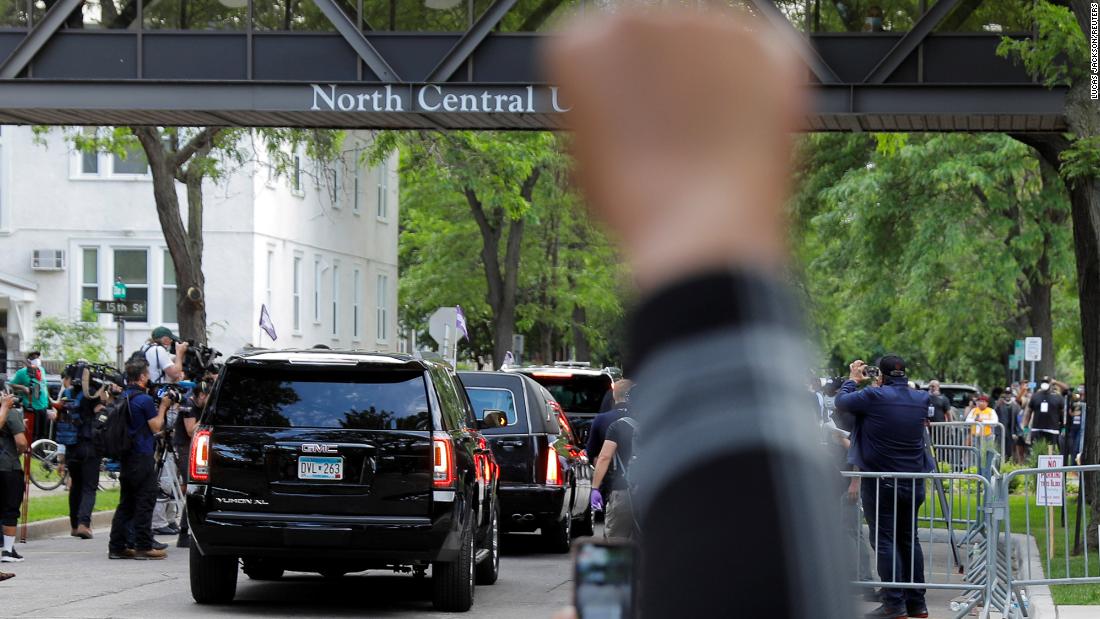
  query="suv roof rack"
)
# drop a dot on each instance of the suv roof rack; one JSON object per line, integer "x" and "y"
{"x": 572, "y": 364}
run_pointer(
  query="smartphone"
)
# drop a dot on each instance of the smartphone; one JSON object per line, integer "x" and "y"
{"x": 603, "y": 579}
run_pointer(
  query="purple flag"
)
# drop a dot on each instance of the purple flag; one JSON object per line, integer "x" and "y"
{"x": 460, "y": 322}
{"x": 266, "y": 324}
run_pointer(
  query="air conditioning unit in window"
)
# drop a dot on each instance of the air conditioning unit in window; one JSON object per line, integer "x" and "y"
{"x": 48, "y": 260}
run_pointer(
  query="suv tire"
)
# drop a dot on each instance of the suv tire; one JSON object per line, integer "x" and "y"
{"x": 559, "y": 535}
{"x": 258, "y": 569}
{"x": 586, "y": 527}
{"x": 213, "y": 579}
{"x": 488, "y": 570}
{"x": 453, "y": 581}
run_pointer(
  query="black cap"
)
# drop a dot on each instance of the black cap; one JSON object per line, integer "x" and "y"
{"x": 892, "y": 365}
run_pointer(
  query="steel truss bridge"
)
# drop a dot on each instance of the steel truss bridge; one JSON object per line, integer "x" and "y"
{"x": 56, "y": 72}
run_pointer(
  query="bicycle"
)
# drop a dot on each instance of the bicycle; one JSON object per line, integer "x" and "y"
{"x": 47, "y": 469}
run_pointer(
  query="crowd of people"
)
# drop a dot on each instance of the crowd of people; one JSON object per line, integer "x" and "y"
{"x": 160, "y": 406}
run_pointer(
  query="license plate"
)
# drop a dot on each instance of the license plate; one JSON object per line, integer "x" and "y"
{"x": 314, "y": 467}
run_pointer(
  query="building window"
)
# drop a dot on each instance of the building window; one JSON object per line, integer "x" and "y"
{"x": 335, "y": 299}
{"x": 297, "y": 294}
{"x": 89, "y": 163}
{"x": 296, "y": 175}
{"x": 380, "y": 311}
{"x": 383, "y": 192}
{"x": 89, "y": 283}
{"x": 270, "y": 276}
{"x": 333, "y": 177}
{"x": 132, "y": 266}
{"x": 356, "y": 191}
{"x": 133, "y": 164}
{"x": 317, "y": 290}
{"x": 169, "y": 292}
{"x": 356, "y": 304}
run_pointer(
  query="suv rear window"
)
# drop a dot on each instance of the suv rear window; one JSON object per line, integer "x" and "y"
{"x": 351, "y": 400}
{"x": 492, "y": 398}
{"x": 575, "y": 392}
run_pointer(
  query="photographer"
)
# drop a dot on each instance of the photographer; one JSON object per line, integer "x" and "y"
{"x": 889, "y": 437}
{"x": 13, "y": 442}
{"x": 85, "y": 394}
{"x": 187, "y": 419}
{"x": 165, "y": 366}
{"x": 138, "y": 480}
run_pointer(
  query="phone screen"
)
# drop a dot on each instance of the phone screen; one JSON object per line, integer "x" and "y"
{"x": 604, "y": 580}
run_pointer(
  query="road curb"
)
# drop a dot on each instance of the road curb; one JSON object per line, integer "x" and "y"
{"x": 60, "y": 526}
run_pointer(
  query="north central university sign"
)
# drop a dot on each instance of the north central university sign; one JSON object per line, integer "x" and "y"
{"x": 435, "y": 98}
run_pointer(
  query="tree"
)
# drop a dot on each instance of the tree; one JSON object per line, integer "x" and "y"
{"x": 499, "y": 204}
{"x": 942, "y": 247}
{"x": 1059, "y": 55}
{"x": 70, "y": 341}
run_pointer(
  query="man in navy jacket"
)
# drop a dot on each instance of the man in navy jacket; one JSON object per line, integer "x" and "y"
{"x": 889, "y": 436}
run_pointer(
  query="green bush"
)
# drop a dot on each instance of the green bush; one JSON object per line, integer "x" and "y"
{"x": 67, "y": 341}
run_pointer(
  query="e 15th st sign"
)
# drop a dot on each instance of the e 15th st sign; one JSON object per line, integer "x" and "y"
{"x": 434, "y": 98}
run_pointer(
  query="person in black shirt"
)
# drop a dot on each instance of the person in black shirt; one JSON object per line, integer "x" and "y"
{"x": 1044, "y": 418}
{"x": 81, "y": 457}
{"x": 612, "y": 469}
{"x": 941, "y": 406}
{"x": 597, "y": 433}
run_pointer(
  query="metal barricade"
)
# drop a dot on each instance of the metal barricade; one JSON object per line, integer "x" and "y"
{"x": 1043, "y": 517}
{"x": 968, "y": 446}
{"x": 919, "y": 541}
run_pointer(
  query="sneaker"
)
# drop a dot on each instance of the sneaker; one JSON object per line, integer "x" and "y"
{"x": 127, "y": 553}
{"x": 168, "y": 530}
{"x": 83, "y": 532}
{"x": 884, "y": 612}
{"x": 6, "y": 575}
{"x": 10, "y": 556}
{"x": 916, "y": 610}
{"x": 151, "y": 554}
{"x": 158, "y": 545}
{"x": 184, "y": 541}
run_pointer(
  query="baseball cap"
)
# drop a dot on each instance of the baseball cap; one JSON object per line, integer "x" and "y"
{"x": 892, "y": 365}
{"x": 160, "y": 332}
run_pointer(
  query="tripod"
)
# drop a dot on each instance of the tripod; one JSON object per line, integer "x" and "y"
{"x": 167, "y": 463}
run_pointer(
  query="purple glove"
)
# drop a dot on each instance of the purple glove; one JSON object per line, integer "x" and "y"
{"x": 597, "y": 500}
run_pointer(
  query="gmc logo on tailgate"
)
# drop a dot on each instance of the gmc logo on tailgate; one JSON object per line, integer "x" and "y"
{"x": 318, "y": 448}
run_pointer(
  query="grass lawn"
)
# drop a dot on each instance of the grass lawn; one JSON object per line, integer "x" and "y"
{"x": 1021, "y": 508}
{"x": 56, "y": 505}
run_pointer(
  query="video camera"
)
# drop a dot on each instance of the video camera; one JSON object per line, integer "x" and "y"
{"x": 98, "y": 376}
{"x": 199, "y": 359}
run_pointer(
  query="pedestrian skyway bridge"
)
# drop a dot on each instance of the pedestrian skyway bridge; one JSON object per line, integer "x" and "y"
{"x": 458, "y": 64}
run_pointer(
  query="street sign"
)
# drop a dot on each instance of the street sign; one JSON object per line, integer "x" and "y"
{"x": 125, "y": 309}
{"x": 118, "y": 291}
{"x": 1019, "y": 349}
{"x": 1048, "y": 492}
{"x": 1033, "y": 349}
{"x": 443, "y": 327}
{"x": 1012, "y": 361}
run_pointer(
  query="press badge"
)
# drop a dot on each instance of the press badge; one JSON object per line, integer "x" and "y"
{"x": 1044, "y": 407}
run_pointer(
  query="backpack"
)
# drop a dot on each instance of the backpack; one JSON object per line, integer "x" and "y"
{"x": 624, "y": 467}
{"x": 111, "y": 435}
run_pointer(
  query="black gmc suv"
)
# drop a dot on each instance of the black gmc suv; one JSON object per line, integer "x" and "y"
{"x": 337, "y": 462}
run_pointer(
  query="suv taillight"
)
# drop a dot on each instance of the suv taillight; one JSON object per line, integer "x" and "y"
{"x": 553, "y": 469}
{"x": 443, "y": 461}
{"x": 200, "y": 456}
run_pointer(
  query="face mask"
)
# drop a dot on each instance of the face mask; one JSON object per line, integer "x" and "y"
{"x": 36, "y": 363}
{"x": 874, "y": 23}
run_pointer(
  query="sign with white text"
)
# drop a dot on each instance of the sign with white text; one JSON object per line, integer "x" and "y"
{"x": 1048, "y": 491}
{"x": 1033, "y": 349}
{"x": 124, "y": 309}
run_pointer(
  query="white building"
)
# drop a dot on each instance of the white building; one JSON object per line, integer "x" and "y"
{"x": 317, "y": 245}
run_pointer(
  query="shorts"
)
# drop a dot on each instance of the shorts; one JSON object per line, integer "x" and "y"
{"x": 11, "y": 497}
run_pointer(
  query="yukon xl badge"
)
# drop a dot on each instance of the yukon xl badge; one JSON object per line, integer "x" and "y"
{"x": 318, "y": 448}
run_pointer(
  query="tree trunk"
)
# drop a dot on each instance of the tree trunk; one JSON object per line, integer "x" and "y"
{"x": 1039, "y": 311}
{"x": 191, "y": 305}
{"x": 503, "y": 279}
{"x": 580, "y": 340}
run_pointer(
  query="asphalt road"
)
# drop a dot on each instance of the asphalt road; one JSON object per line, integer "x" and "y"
{"x": 68, "y": 577}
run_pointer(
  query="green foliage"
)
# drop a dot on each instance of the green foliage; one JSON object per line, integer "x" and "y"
{"x": 1059, "y": 55}
{"x": 564, "y": 260}
{"x": 70, "y": 341}
{"x": 924, "y": 245}
{"x": 1081, "y": 161}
